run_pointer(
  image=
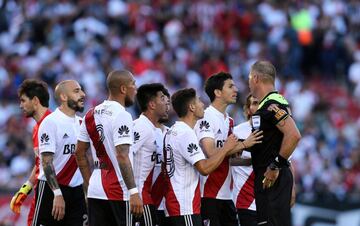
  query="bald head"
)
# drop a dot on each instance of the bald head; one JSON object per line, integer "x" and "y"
{"x": 116, "y": 79}
{"x": 62, "y": 88}
{"x": 265, "y": 70}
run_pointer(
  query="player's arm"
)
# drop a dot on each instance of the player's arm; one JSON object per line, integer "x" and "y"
{"x": 254, "y": 138}
{"x": 206, "y": 166}
{"x": 208, "y": 146}
{"x": 238, "y": 161}
{"x": 83, "y": 162}
{"x": 122, "y": 156}
{"x": 58, "y": 210}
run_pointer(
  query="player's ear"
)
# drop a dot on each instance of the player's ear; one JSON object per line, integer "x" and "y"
{"x": 151, "y": 104}
{"x": 123, "y": 89}
{"x": 192, "y": 106}
{"x": 217, "y": 92}
{"x": 35, "y": 100}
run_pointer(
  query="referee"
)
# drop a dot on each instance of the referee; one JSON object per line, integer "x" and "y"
{"x": 273, "y": 178}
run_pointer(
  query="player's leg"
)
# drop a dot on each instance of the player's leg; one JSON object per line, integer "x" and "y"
{"x": 210, "y": 212}
{"x": 147, "y": 219}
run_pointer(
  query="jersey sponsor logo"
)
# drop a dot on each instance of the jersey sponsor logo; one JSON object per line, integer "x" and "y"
{"x": 220, "y": 143}
{"x": 124, "y": 131}
{"x": 136, "y": 136}
{"x": 192, "y": 147}
{"x": 204, "y": 126}
{"x": 169, "y": 161}
{"x": 100, "y": 130}
{"x": 103, "y": 111}
{"x": 44, "y": 138}
{"x": 69, "y": 149}
{"x": 65, "y": 136}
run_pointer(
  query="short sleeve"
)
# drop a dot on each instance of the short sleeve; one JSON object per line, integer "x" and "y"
{"x": 204, "y": 128}
{"x": 189, "y": 148}
{"x": 141, "y": 135}
{"x": 276, "y": 112}
{"x": 83, "y": 134}
{"x": 123, "y": 129}
{"x": 47, "y": 136}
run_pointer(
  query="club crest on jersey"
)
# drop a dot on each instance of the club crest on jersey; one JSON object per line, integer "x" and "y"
{"x": 169, "y": 160}
{"x": 204, "y": 126}
{"x": 124, "y": 131}
{"x": 44, "y": 139}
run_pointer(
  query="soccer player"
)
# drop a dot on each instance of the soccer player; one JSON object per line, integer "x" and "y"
{"x": 108, "y": 129}
{"x": 34, "y": 102}
{"x": 273, "y": 178}
{"x": 158, "y": 188}
{"x": 152, "y": 103}
{"x": 60, "y": 198}
{"x": 184, "y": 160}
{"x": 242, "y": 171}
{"x": 217, "y": 207}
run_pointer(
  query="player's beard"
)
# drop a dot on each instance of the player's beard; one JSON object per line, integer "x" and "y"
{"x": 29, "y": 114}
{"x": 128, "y": 101}
{"x": 74, "y": 105}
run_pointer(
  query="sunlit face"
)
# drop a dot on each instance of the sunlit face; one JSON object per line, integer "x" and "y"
{"x": 161, "y": 105}
{"x": 75, "y": 96}
{"x": 229, "y": 92}
{"x": 199, "y": 108}
{"x": 251, "y": 82}
{"x": 27, "y": 106}
{"x": 254, "y": 104}
{"x": 131, "y": 91}
{"x": 165, "y": 118}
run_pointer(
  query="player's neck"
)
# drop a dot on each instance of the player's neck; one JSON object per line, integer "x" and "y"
{"x": 220, "y": 106}
{"x": 153, "y": 119}
{"x": 40, "y": 113}
{"x": 118, "y": 99}
{"x": 190, "y": 120}
{"x": 67, "y": 111}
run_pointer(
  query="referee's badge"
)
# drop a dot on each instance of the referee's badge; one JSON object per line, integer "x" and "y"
{"x": 256, "y": 121}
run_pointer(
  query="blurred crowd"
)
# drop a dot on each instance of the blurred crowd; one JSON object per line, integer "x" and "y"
{"x": 314, "y": 44}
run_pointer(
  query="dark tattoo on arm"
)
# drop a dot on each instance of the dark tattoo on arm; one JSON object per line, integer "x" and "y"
{"x": 122, "y": 154}
{"x": 49, "y": 170}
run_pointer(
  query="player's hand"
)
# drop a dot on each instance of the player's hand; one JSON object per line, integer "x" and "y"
{"x": 254, "y": 138}
{"x": 230, "y": 143}
{"x": 136, "y": 205}
{"x": 58, "y": 210}
{"x": 18, "y": 199}
{"x": 270, "y": 177}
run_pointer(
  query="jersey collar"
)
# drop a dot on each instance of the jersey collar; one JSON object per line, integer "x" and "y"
{"x": 265, "y": 98}
{"x": 217, "y": 112}
{"x": 147, "y": 120}
{"x": 114, "y": 103}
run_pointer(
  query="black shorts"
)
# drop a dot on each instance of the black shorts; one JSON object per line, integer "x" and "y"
{"x": 161, "y": 219}
{"x": 109, "y": 212}
{"x": 217, "y": 212}
{"x": 75, "y": 207}
{"x": 185, "y": 220}
{"x": 147, "y": 219}
{"x": 273, "y": 204}
{"x": 247, "y": 217}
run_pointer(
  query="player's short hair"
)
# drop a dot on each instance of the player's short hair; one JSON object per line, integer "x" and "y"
{"x": 35, "y": 88}
{"x": 265, "y": 69}
{"x": 146, "y": 93}
{"x": 181, "y": 99}
{"x": 216, "y": 81}
{"x": 166, "y": 92}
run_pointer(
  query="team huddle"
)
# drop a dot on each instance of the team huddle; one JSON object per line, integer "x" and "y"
{"x": 106, "y": 169}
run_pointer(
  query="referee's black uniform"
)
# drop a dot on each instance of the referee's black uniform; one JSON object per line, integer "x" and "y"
{"x": 272, "y": 204}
